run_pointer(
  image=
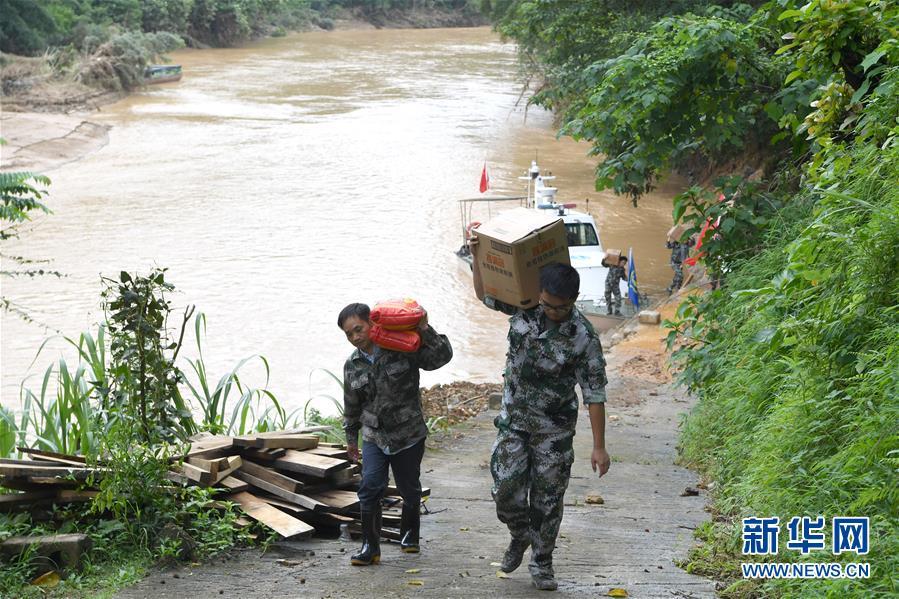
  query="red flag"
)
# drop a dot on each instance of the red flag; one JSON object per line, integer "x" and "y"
{"x": 485, "y": 179}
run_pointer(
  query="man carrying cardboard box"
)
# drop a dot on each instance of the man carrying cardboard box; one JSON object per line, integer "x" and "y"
{"x": 552, "y": 347}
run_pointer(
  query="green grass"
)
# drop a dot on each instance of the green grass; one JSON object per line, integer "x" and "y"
{"x": 795, "y": 366}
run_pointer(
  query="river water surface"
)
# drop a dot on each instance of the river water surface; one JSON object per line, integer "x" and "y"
{"x": 280, "y": 181}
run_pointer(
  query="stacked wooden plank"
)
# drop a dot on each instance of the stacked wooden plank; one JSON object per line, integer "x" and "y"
{"x": 286, "y": 480}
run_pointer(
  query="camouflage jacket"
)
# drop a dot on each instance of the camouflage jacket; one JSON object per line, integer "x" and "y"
{"x": 679, "y": 251}
{"x": 616, "y": 273}
{"x": 542, "y": 367}
{"x": 383, "y": 398}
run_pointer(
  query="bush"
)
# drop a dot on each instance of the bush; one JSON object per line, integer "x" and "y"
{"x": 119, "y": 64}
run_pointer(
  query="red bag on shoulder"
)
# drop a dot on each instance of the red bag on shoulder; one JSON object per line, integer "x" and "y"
{"x": 398, "y": 314}
{"x": 401, "y": 341}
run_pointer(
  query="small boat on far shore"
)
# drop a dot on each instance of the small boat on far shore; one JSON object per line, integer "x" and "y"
{"x": 162, "y": 73}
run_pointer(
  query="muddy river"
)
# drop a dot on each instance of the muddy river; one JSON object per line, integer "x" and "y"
{"x": 280, "y": 181}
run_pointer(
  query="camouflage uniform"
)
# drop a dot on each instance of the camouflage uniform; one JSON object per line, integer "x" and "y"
{"x": 383, "y": 398}
{"x": 533, "y": 453}
{"x": 678, "y": 255}
{"x": 616, "y": 274}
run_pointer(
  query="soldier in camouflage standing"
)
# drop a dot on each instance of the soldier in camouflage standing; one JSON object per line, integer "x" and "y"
{"x": 679, "y": 252}
{"x": 552, "y": 347}
{"x": 616, "y": 273}
{"x": 382, "y": 397}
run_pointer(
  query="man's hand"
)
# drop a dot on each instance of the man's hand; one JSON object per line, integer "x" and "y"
{"x": 352, "y": 452}
{"x": 600, "y": 459}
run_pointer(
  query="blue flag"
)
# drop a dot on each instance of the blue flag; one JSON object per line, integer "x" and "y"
{"x": 632, "y": 293}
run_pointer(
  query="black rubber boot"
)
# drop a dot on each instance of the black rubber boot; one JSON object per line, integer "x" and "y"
{"x": 371, "y": 541}
{"x": 410, "y": 528}
{"x": 514, "y": 554}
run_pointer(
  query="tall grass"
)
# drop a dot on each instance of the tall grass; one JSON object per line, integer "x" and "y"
{"x": 797, "y": 370}
{"x": 70, "y": 412}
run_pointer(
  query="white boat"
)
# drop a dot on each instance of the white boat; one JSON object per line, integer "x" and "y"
{"x": 584, "y": 246}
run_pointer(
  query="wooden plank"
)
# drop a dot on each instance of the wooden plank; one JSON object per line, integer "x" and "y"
{"x": 309, "y": 463}
{"x": 234, "y": 485}
{"x": 197, "y": 474}
{"x": 208, "y": 448}
{"x": 331, "y": 452}
{"x": 338, "y": 500}
{"x": 276, "y": 478}
{"x": 284, "y": 524}
{"x": 316, "y": 519}
{"x": 50, "y": 456}
{"x": 16, "y": 501}
{"x": 68, "y": 496}
{"x": 233, "y": 463}
{"x": 278, "y": 440}
{"x": 213, "y": 465}
{"x": 19, "y": 468}
{"x": 345, "y": 477}
{"x": 262, "y": 455}
{"x": 296, "y": 498}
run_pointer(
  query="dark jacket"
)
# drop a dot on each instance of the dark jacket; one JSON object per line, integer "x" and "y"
{"x": 383, "y": 398}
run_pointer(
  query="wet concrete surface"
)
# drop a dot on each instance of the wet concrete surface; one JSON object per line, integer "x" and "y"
{"x": 631, "y": 541}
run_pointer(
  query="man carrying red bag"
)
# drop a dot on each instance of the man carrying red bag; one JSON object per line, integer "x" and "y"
{"x": 382, "y": 397}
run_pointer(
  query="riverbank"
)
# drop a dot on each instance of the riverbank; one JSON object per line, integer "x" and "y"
{"x": 632, "y": 540}
{"x": 41, "y": 142}
{"x": 33, "y": 84}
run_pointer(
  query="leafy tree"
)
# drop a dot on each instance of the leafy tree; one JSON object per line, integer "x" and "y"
{"x": 693, "y": 85}
{"x": 24, "y": 27}
{"x": 144, "y": 378}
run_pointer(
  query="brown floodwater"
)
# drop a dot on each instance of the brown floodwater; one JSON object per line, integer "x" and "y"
{"x": 279, "y": 181}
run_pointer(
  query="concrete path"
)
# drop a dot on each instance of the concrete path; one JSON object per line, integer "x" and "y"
{"x": 629, "y": 542}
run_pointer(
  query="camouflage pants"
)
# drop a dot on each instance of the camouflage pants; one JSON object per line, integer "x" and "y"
{"x": 613, "y": 288}
{"x": 530, "y": 475}
{"x": 678, "y": 276}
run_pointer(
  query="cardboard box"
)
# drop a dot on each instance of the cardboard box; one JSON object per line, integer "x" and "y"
{"x": 612, "y": 257}
{"x": 511, "y": 250}
{"x": 676, "y": 232}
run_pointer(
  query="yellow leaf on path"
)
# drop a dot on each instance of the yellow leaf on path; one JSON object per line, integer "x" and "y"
{"x": 495, "y": 564}
{"x": 413, "y": 571}
{"x": 50, "y": 579}
{"x": 594, "y": 499}
{"x": 416, "y": 583}
{"x": 501, "y": 574}
{"x": 617, "y": 593}
{"x": 464, "y": 529}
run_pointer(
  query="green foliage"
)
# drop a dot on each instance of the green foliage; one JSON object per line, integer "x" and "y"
{"x": 20, "y": 194}
{"x": 795, "y": 365}
{"x": 119, "y": 63}
{"x": 691, "y": 86}
{"x": 25, "y": 26}
{"x": 8, "y": 432}
{"x": 793, "y": 356}
{"x": 144, "y": 379}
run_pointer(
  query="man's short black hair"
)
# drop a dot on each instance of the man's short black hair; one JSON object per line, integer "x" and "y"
{"x": 360, "y": 310}
{"x": 560, "y": 280}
